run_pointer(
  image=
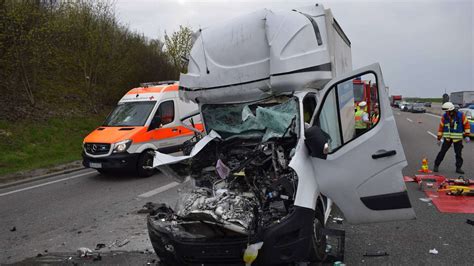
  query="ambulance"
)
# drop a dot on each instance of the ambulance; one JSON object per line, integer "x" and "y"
{"x": 145, "y": 119}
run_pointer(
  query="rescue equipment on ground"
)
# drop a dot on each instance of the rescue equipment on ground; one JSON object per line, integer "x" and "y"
{"x": 424, "y": 166}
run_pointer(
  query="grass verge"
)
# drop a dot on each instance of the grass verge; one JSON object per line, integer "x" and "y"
{"x": 28, "y": 145}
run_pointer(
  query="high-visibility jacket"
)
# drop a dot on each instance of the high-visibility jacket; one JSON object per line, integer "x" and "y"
{"x": 359, "y": 121}
{"x": 375, "y": 119}
{"x": 460, "y": 127}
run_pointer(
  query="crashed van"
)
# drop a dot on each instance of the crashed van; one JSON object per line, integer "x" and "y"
{"x": 276, "y": 96}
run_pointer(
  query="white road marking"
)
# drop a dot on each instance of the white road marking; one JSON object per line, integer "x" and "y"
{"x": 437, "y": 116}
{"x": 398, "y": 113}
{"x": 158, "y": 190}
{"x": 45, "y": 184}
{"x": 411, "y": 121}
{"x": 434, "y": 136}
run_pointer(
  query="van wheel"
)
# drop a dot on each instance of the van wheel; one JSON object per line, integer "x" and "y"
{"x": 318, "y": 249}
{"x": 145, "y": 159}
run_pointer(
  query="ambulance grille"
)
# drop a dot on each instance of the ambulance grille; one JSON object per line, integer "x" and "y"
{"x": 97, "y": 148}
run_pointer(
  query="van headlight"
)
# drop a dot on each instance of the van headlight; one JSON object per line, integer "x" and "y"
{"x": 122, "y": 146}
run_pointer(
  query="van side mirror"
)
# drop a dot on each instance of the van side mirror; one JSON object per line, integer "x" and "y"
{"x": 155, "y": 123}
{"x": 316, "y": 141}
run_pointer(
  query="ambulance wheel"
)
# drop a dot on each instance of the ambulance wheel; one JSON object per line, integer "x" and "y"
{"x": 318, "y": 249}
{"x": 145, "y": 159}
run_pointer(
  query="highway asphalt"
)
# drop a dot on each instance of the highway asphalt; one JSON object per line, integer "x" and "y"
{"x": 83, "y": 209}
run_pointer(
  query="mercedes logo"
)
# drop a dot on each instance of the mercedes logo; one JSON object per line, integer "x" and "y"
{"x": 94, "y": 148}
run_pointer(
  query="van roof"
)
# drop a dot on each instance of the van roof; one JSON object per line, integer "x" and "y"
{"x": 154, "y": 89}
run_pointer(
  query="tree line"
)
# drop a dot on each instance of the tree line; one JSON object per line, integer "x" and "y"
{"x": 69, "y": 57}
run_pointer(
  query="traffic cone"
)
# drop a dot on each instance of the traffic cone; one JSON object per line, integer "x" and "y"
{"x": 424, "y": 166}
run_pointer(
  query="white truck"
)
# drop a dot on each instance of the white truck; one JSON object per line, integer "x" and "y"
{"x": 462, "y": 98}
{"x": 276, "y": 96}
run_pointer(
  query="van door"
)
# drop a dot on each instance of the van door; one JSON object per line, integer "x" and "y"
{"x": 361, "y": 169}
{"x": 165, "y": 133}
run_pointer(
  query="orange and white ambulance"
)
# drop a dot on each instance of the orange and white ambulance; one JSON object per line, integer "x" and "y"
{"x": 145, "y": 119}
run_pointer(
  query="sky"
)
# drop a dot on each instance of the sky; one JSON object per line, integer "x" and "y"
{"x": 424, "y": 47}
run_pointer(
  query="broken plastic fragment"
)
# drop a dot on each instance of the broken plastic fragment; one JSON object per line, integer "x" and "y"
{"x": 433, "y": 251}
{"x": 84, "y": 252}
{"x": 425, "y": 199}
{"x": 251, "y": 253}
{"x": 222, "y": 169}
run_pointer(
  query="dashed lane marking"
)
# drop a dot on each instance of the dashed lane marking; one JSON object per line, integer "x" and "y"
{"x": 437, "y": 116}
{"x": 434, "y": 136}
{"x": 411, "y": 121}
{"x": 45, "y": 184}
{"x": 158, "y": 190}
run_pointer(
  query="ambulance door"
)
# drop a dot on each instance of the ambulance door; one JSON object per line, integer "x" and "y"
{"x": 358, "y": 165}
{"x": 165, "y": 133}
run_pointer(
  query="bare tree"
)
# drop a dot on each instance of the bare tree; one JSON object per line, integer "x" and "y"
{"x": 178, "y": 46}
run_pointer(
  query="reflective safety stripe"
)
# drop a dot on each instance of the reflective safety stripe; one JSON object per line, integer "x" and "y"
{"x": 359, "y": 122}
{"x": 456, "y": 132}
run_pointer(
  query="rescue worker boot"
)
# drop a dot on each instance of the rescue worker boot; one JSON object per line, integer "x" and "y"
{"x": 459, "y": 171}
{"x": 435, "y": 168}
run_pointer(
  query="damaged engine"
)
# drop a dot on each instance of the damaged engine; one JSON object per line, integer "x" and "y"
{"x": 239, "y": 185}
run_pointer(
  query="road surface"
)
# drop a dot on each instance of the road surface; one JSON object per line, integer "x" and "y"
{"x": 83, "y": 209}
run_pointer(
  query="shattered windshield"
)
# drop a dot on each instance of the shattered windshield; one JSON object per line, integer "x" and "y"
{"x": 277, "y": 117}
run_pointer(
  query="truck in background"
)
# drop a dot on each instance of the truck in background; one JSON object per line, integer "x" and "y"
{"x": 462, "y": 98}
{"x": 395, "y": 100}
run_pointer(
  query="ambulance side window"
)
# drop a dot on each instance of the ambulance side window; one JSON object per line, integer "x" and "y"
{"x": 165, "y": 112}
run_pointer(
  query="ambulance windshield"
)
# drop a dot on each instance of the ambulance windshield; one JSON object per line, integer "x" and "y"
{"x": 130, "y": 114}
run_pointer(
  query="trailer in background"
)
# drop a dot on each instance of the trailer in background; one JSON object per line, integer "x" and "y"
{"x": 462, "y": 98}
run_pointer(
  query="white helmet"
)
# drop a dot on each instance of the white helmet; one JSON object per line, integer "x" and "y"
{"x": 447, "y": 106}
{"x": 362, "y": 104}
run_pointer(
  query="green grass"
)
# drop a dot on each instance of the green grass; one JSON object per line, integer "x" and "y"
{"x": 27, "y": 145}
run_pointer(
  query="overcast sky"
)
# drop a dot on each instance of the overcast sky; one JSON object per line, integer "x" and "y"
{"x": 424, "y": 47}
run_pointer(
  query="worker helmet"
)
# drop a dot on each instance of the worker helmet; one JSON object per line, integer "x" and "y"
{"x": 362, "y": 104}
{"x": 447, "y": 106}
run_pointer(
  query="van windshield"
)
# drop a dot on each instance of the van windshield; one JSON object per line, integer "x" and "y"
{"x": 130, "y": 114}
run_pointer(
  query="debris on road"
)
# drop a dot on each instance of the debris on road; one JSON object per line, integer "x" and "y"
{"x": 84, "y": 252}
{"x": 148, "y": 208}
{"x": 123, "y": 243}
{"x": 99, "y": 246}
{"x": 13, "y": 229}
{"x": 433, "y": 251}
{"x": 426, "y": 199}
{"x": 469, "y": 221}
{"x": 375, "y": 253}
{"x": 337, "y": 220}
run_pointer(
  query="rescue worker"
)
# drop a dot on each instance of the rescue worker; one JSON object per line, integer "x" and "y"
{"x": 362, "y": 121}
{"x": 375, "y": 116}
{"x": 452, "y": 127}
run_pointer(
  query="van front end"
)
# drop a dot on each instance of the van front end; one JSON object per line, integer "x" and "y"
{"x": 106, "y": 156}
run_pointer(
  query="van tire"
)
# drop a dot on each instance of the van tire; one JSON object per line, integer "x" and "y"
{"x": 145, "y": 159}
{"x": 319, "y": 241}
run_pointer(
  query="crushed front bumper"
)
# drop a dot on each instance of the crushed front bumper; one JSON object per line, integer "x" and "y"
{"x": 288, "y": 241}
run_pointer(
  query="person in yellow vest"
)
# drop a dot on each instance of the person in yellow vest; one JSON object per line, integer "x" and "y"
{"x": 362, "y": 121}
{"x": 375, "y": 116}
{"x": 453, "y": 126}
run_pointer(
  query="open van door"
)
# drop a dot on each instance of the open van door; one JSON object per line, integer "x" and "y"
{"x": 358, "y": 157}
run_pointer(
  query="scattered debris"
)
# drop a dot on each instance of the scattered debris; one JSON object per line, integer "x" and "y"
{"x": 79, "y": 232}
{"x": 84, "y": 252}
{"x": 425, "y": 199}
{"x": 469, "y": 221}
{"x": 123, "y": 243}
{"x": 148, "y": 208}
{"x": 445, "y": 244}
{"x": 45, "y": 251}
{"x": 375, "y": 254}
{"x": 13, "y": 229}
{"x": 39, "y": 255}
{"x": 337, "y": 220}
{"x": 97, "y": 258}
{"x": 99, "y": 246}
{"x": 433, "y": 251}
